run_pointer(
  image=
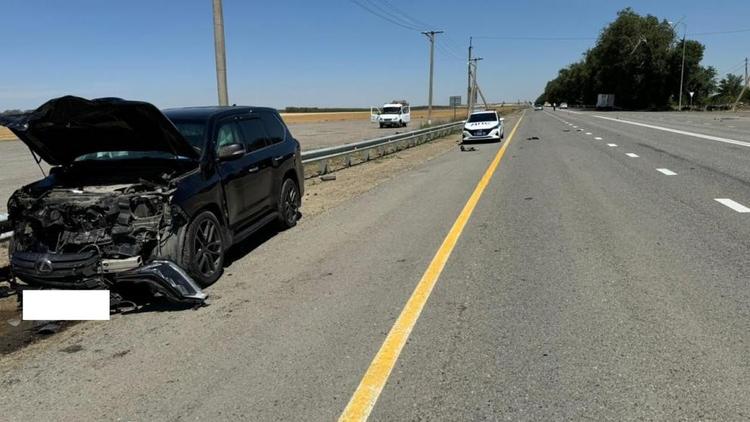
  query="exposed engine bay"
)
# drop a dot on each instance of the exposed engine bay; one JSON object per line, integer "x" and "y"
{"x": 118, "y": 222}
{"x": 99, "y": 237}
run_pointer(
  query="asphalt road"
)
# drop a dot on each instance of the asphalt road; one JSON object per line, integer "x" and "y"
{"x": 587, "y": 285}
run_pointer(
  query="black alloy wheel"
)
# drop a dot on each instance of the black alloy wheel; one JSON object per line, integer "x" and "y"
{"x": 205, "y": 249}
{"x": 289, "y": 204}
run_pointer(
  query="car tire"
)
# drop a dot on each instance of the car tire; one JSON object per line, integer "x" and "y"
{"x": 381, "y": 125}
{"x": 288, "y": 204}
{"x": 204, "y": 248}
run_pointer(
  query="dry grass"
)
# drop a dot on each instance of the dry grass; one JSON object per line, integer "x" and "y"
{"x": 6, "y": 134}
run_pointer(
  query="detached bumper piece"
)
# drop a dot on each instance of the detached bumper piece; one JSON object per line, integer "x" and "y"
{"x": 87, "y": 271}
{"x": 168, "y": 279}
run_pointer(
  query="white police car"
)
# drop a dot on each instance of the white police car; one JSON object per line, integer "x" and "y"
{"x": 483, "y": 126}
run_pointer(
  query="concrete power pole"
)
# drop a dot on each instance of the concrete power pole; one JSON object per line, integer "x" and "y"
{"x": 431, "y": 36}
{"x": 682, "y": 69}
{"x": 745, "y": 87}
{"x": 468, "y": 83}
{"x": 221, "y": 57}
{"x": 473, "y": 90}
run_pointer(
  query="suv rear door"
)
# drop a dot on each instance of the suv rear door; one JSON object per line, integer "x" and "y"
{"x": 280, "y": 151}
{"x": 258, "y": 196}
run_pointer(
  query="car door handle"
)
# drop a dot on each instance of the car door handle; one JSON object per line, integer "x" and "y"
{"x": 253, "y": 169}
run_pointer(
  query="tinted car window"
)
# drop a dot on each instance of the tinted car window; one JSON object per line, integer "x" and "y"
{"x": 227, "y": 135}
{"x": 254, "y": 134}
{"x": 276, "y": 130}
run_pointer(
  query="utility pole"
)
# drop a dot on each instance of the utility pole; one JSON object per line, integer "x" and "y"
{"x": 682, "y": 70}
{"x": 473, "y": 91}
{"x": 468, "y": 82}
{"x": 221, "y": 57}
{"x": 745, "y": 86}
{"x": 431, "y": 36}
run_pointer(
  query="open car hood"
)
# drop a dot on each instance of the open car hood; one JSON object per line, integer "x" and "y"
{"x": 65, "y": 128}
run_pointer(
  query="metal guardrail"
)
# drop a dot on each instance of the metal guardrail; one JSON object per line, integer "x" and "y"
{"x": 326, "y": 160}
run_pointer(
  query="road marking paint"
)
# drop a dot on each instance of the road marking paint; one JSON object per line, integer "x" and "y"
{"x": 611, "y": 145}
{"x": 598, "y": 138}
{"x": 575, "y": 127}
{"x": 732, "y": 204}
{"x": 680, "y": 132}
{"x": 588, "y": 133}
{"x": 363, "y": 400}
{"x": 631, "y": 155}
{"x": 667, "y": 172}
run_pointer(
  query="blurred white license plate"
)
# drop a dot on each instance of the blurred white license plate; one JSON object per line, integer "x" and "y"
{"x": 65, "y": 305}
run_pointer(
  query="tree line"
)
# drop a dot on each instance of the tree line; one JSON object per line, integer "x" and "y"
{"x": 639, "y": 60}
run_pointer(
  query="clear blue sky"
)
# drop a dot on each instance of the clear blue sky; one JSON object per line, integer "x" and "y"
{"x": 313, "y": 53}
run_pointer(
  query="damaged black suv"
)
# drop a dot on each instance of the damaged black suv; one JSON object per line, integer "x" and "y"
{"x": 140, "y": 196}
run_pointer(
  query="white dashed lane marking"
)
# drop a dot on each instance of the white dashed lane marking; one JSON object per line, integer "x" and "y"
{"x": 667, "y": 172}
{"x": 588, "y": 133}
{"x": 732, "y": 204}
{"x": 680, "y": 132}
{"x": 632, "y": 155}
{"x": 611, "y": 145}
{"x": 598, "y": 138}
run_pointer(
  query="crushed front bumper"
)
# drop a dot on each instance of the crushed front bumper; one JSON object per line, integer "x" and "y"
{"x": 86, "y": 271}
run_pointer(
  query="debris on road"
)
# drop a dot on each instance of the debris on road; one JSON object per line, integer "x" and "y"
{"x": 328, "y": 177}
{"x": 51, "y": 327}
{"x": 532, "y": 138}
{"x": 463, "y": 148}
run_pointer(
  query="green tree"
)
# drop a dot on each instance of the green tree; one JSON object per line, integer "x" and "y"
{"x": 729, "y": 88}
{"x": 639, "y": 59}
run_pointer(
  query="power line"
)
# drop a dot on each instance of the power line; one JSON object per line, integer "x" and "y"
{"x": 405, "y": 15}
{"x": 408, "y": 21}
{"x": 384, "y": 16}
{"x": 731, "y": 70}
{"x": 448, "y": 52}
{"x": 403, "y": 20}
{"x": 534, "y": 38}
{"x": 732, "y": 31}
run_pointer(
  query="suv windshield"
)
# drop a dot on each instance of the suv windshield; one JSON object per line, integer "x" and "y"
{"x": 194, "y": 131}
{"x": 483, "y": 117}
{"x": 391, "y": 110}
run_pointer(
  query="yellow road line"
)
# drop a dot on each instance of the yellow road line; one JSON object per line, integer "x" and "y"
{"x": 368, "y": 391}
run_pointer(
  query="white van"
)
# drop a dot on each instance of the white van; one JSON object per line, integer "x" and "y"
{"x": 395, "y": 114}
{"x": 483, "y": 126}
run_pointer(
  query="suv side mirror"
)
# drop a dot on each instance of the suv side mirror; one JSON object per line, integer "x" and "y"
{"x": 231, "y": 152}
